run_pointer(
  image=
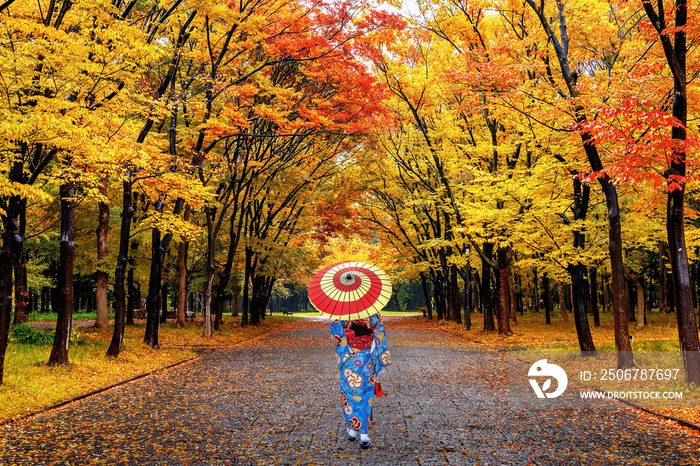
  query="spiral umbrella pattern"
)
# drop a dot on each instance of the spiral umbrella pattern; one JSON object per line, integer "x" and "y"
{"x": 350, "y": 290}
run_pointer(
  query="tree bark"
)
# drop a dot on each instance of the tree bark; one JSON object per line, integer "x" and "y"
{"x": 164, "y": 302}
{"x": 11, "y": 249}
{"x": 246, "y": 286}
{"x": 536, "y": 304}
{"x": 620, "y": 297}
{"x": 153, "y": 305}
{"x": 224, "y": 277}
{"x": 21, "y": 289}
{"x": 120, "y": 271}
{"x": 503, "y": 292}
{"x": 511, "y": 287}
{"x": 547, "y": 299}
{"x": 102, "y": 277}
{"x": 562, "y": 301}
{"x": 133, "y": 300}
{"x": 467, "y": 277}
{"x": 593, "y": 275}
{"x": 663, "y": 275}
{"x": 454, "y": 288}
{"x": 64, "y": 283}
{"x": 210, "y": 213}
{"x": 489, "y": 323}
{"x": 606, "y": 294}
{"x": 583, "y": 331}
{"x": 426, "y": 295}
{"x": 639, "y": 294}
{"x": 577, "y": 271}
{"x": 234, "y": 295}
{"x": 5, "y": 301}
{"x": 182, "y": 278}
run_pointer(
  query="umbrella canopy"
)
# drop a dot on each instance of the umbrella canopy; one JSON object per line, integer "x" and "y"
{"x": 350, "y": 290}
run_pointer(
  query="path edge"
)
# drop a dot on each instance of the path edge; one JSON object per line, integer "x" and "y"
{"x": 97, "y": 391}
{"x": 668, "y": 417}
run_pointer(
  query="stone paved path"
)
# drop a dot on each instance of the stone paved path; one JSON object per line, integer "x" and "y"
{"x": 274, "y": 400}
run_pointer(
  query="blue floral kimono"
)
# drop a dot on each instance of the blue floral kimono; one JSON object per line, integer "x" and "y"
{"x": 362, "y": 353}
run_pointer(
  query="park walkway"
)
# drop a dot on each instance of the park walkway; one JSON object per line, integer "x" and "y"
{"x": 273, "y": 400}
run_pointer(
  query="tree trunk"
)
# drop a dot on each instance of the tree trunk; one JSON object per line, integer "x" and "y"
{"x": 519, "y": 295}
{"x": 5, "y": 299}
{"x": 438, "y": 292}
{"x": 154, "y": 284}
{"x": 685, "y": 314}
{"x": 593, "y": 275}
{"x": 133, "y": 300}
{"x": 475, "y": 290}
{"x": 454, "y": 305}
{"x": 256, "y": 302}
{"x": 639, "y": 293}
{"x": 90, "y": 302}
{"x": 102, "y": 277}
{"x": 12, "y": 244}
{"x": 562, "y": 302}
{"x": 64, "y": 283}
{"x": 467, "y": 277}
{"x": 164, "y": 302}
{"x": 210, "y": 269}
{"x": 21, "y": 290}
{"x": 426, "y": 295}
{"x": 583, "y": 331}
{"x": 224, "y": 277}
{"x": 547, "y": 299}
{"x": 577, "y": 271}
{"x": 536, "y": 304}
{"x": 44, "y": 299}
{"x": 511, "y": 287}
{"x": 663, "y": 286}
{"x": 489, "y": 323}
{"x": 182, "y": 281}
{"x": 503, "y": 292}
{"x": 234, "y": 295}
{"x": 120, "y": 271}
{"x": 246, "y": 286}
{"x": 620, "y": 297}
{"x": 675, "y": 52}
{"x": 606, "y": 295}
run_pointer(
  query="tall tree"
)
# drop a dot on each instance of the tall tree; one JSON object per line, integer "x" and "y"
{"x": 102, "y": 304}
{"x": 561, "y": 45}
{"x": 674, "y": 43}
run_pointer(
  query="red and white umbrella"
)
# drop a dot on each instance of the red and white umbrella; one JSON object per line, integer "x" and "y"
{"x": 350, "y": 290}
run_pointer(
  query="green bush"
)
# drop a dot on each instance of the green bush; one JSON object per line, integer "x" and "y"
{"x": 25, "y": 333}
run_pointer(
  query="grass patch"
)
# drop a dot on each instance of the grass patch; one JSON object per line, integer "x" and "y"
{"x": 531, "y": 332}
{"x": 52, "y": 316}
{"x": 30, "y": 384}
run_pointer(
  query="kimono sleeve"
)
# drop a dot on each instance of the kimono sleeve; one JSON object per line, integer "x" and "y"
{"x": 338, "y": 336}
{"x": 381, "y": 354}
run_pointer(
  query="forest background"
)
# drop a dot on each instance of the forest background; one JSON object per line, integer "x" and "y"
{"x": 479, "y": 151}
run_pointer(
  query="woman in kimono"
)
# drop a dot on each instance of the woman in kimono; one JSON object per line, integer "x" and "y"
{"x": 362, "y": 353}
